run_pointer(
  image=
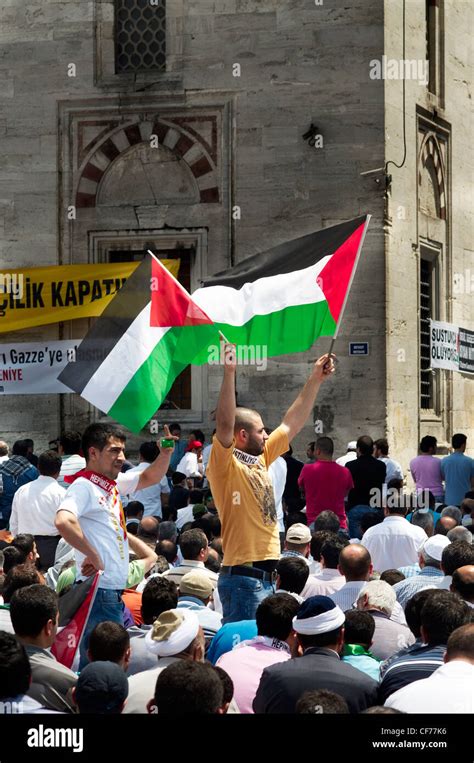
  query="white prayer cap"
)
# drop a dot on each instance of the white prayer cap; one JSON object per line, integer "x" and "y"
{"x": 172, "y": 632}
{"x": 317, "y": 615}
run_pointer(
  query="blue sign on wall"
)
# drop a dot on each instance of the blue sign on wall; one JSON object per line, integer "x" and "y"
{"x": 358, "y": 348}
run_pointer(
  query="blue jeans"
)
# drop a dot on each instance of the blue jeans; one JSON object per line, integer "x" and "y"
{"x": 107, "y": 605}
{"x": 240, "y": 596}
{"x": 353, "y": 519}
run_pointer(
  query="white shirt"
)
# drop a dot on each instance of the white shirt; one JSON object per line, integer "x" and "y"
{"x": 328, "y": 581}
{"x": 4, "y": 458}
{"x": 343, "y": 460}
{"x": 450, "y": 689}
{"x": 141, "y": 687}
{"x": 184, "y": 515}
{"x": 149, "y": 496}
{"x": 206, "y": 452}
{"x": 69, "y": 466}
{"x": 394, "y": 470}
{"x": 277, "y": 473}
{"x": 393, "y": 543}
{"x": 189, "y": 465}
{"x": 101, "y": 518}
{"x": 35, "y": 505}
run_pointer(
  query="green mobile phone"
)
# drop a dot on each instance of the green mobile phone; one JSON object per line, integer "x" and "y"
{"x": 167, "y": 443}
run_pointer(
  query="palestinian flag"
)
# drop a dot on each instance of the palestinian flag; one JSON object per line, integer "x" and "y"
{"x": 146, "y": 336}
{"x": 285, "y": 298}
{"x": 74, "y": 609}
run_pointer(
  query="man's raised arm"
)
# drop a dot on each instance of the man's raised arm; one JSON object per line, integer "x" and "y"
{"x": 225, "y": 411}
{"x": 297, "y": 414}
{"x": 157, "y": 470}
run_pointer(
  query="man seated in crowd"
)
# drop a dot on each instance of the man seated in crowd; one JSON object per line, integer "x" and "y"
{"x": 321, "y": 702}
{"x": 101, "y": 689}
{"x": 194, "y": 548}
{"x": 329, "y": 580}
{"x": 430, "y": 576}
{"x": 319, "y": 625}
{"x": 292, "y": 576}
{"x": 449, "y": 689}
{"x": 159, "y": 595}
{"x": 463, "y": 583}
{"x": 297, "y": 541}
{"x": 19, "y": 577}
{"x": 378, "y": 598}
{"x": 441, "y": 614}
{"x": 359, "y": 630}
{"x": 190, "y": 688}
{"x": 175, "y": 635}
{"x": 274, "y": 643}
{"x": 110, "y": 642}
{"x": 35, "y": 615}
{"x": 195, "y": 593}
{"x": 15, "y": 678}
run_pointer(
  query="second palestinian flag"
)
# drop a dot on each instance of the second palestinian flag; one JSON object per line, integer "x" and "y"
{"x": 283, "y": 299}
{"x": 148, "y": 334}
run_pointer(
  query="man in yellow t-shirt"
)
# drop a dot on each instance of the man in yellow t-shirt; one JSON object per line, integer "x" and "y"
{"x": 238, "y": 477}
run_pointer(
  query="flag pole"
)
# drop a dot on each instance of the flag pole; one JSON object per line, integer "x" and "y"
{"x": 356, "y": 262}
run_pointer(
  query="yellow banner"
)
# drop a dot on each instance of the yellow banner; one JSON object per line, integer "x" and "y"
{"x": 37, "y": 296}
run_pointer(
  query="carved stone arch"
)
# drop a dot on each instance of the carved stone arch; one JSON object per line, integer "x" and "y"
{"x": 431, "y": 160}
{"x": 187, "y": 147}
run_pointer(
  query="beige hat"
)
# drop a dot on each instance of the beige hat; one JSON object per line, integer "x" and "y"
{"x": 298, "y": 533}
{"x": 172, "y": 632}
{"x": 196, "y": 583}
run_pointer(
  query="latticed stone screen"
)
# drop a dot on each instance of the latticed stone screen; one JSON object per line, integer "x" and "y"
{"x": 140, "y": 33}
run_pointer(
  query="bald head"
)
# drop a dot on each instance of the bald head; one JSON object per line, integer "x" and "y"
{"x": 463, "y": 582}
{"x": 355, "y": 562}
{"x": 461, "y": 644}
{"x": 3, "y": 448}
{"x": 149, "y": 525}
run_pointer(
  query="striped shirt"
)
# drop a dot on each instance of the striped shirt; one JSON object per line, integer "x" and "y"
{"x": 412, "y": 664}
{"x": 410, "y": 571}
{"x": 429, "y": 577}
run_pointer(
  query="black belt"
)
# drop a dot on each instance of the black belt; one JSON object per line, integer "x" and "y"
{"x": 249, "y": 572}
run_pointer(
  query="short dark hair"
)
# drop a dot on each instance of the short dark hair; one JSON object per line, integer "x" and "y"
{"x": 175, "y": 427}
{"x": 370, "y": 519}
{"x": 413, "y": 610}
{"x": 442, "y": 613}
{"x": 327, "y": 520}
{"x": 31, "y": 608}
{"x": 24, "y": 542}
{"x": 191, "y": 542}
{"x": 457, "y": 554}
{"x": 97, "y": 436}
{"x": 12, "y": 557}
{"x": 318, "y": 539}
{"x": 149, "y": 451}
{"x": 464, "y": 588}
{"x": 331, "y": 549}
{"x": 167, "y": 530}
{"x": 275, "y": 615}
{"x": 458, "y": 440}
{"x": 321, "y": 639}
{"x": 392, "y": 576}
{"x": 428, "y": 442}
{"x": 461, "y": 642}
{"x": 70, "y": 442}
{"x": 321, "y": 701}
{"x": 366, "y": 445}
{"x": 195, "y": 496}
{"x": 359, "y": 627}
{"x": 227, "y": 684}
{"x": 108, "y": 642}
{"x": 20, "y": 576}
{"x": 134, "y": 509}
{"x": 325, "y": 445}
{"x": 293, "y": 572}
{"x": 20, "y": 448}
{"x": 177, "y": 478}
{"x": 159, "y": 595}
{"x": 49, "y": 463}
{"x": 382, "y": 445}
{"x": 192, "y": 687}
{"x": 15, "y": 669}
{"x": 213, "y": 561}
